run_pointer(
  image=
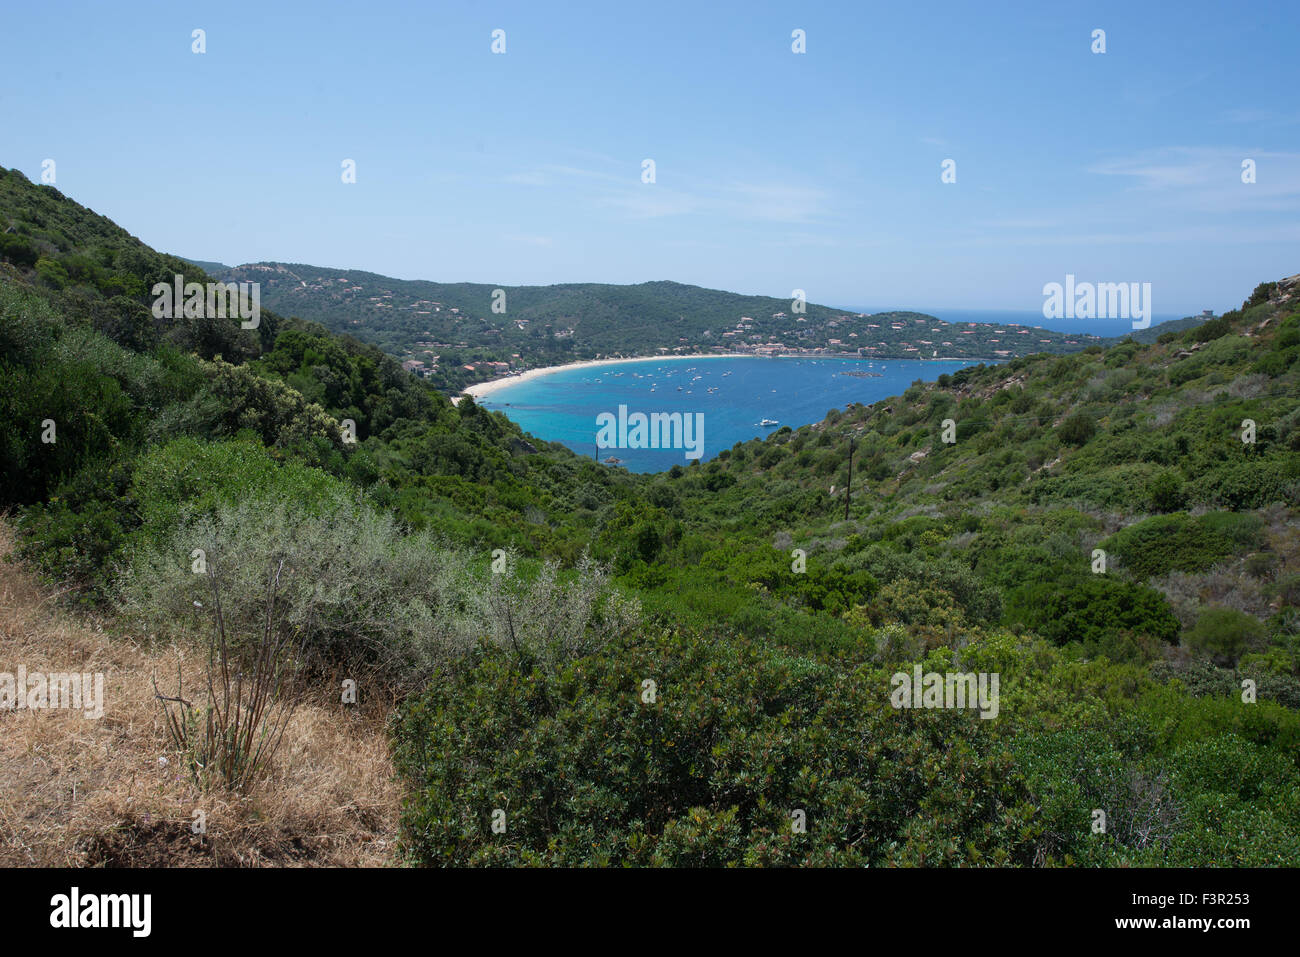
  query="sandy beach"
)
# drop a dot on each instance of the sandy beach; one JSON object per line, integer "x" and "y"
{"x": 483, "y": 389}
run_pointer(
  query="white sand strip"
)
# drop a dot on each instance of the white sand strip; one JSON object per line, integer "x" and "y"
{"x": 482, "y": 390}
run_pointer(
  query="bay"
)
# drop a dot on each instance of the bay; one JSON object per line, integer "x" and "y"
{"x": 732, "y": 394}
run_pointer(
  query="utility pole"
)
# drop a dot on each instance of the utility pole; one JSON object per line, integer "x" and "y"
{"x": 848, "y": 489}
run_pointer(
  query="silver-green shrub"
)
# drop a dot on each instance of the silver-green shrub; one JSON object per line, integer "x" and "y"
{"x": 363, "y": 593}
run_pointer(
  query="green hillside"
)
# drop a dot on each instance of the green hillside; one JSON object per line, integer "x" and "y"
{"x": 670, "y": 669}
{"x": 1150, "y": 335}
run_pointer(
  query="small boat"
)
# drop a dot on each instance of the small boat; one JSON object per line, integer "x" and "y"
{"x": 613, "y": 461}
{"x": 769, "y": 422}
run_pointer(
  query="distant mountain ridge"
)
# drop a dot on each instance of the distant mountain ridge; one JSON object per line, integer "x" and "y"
{"x": 440, "y": 328}
{"x": 1145, "y": 336}
{"x": 212, "y": 268}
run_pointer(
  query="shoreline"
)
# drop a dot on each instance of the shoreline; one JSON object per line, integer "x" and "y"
{"x": 481, "y": 390}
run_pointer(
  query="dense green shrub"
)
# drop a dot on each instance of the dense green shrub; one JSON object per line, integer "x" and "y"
{"x": 1077, "y": 429}
{"x": 85, "y": 529}
{"x": 1252, "y": 483}
{"x": 1225, "y": 634}
{"x": 710, "y": 771}
{"x": 186, "y": 479}
{"x": 1091, "y": 611}
{"x": 1210, "y": 329}
{"x": 18, "y": 250}
{"x": 1180, "y": 542}
{"x": 1167, "y": 494}
{"x": 98, "y": 398}
{"x": 1260, "y": 294}
{"x": 1201, "y": 678}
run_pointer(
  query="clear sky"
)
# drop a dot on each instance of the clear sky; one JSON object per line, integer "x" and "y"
{"x": 774, "y": 170}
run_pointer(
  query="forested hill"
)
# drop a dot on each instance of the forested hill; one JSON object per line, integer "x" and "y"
{"x": 447, "y": 326}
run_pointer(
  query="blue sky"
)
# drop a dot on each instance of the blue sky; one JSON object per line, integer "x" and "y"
{"x": 774, "y": 170}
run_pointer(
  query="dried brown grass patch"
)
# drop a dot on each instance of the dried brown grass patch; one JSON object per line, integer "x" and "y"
{"x": 107, "y": 792}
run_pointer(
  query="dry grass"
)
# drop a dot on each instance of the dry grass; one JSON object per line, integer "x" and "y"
{"x": 106, "y": 792}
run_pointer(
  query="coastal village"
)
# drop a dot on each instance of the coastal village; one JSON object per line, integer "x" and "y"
{"x": 744, "y": 339}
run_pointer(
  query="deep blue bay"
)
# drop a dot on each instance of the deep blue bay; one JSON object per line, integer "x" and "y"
{"x": 734, "y": 395}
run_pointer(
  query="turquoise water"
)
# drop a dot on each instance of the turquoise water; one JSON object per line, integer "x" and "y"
{"x": 733, "y": 395}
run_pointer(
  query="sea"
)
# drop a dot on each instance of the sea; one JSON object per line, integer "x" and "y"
{"x": 727, "y": 397}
